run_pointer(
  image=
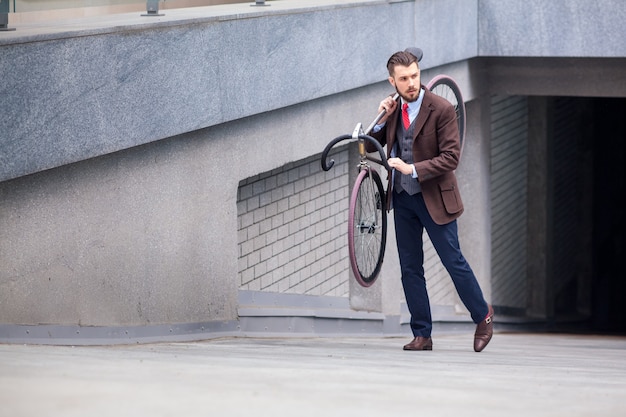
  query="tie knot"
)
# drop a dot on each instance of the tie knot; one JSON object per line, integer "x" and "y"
{"x": 405, "y": 106}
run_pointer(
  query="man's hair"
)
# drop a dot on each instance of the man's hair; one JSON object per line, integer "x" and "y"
{"x": 403, "y": 58}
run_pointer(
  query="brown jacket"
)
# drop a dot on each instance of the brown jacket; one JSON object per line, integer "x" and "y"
{"x": 436, "y": 151}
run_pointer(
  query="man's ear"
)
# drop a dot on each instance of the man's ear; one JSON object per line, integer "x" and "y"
{"x": 392, "y": 82}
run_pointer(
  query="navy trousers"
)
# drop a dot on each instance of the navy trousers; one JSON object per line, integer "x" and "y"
{"x": 411, "y": 218}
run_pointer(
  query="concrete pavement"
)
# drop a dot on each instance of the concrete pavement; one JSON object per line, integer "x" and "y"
{"x": 519, "y": 374}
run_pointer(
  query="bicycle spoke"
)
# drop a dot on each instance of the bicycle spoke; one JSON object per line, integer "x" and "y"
{"x": 368, "y": 227}
{"x": 446, "y": 87}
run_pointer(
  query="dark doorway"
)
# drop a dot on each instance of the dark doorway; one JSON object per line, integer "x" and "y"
{"x": 587, "y": 171}
{"x": 608, "y": 135}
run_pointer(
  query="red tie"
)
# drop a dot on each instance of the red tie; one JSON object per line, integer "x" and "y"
{"x": 405, "y": 116}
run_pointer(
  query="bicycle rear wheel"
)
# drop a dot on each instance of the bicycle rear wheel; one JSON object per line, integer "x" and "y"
{"x": 444, "y": 86}
{"x": 367, "y": 227}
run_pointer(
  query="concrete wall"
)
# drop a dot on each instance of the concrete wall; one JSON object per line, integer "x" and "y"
{"x": 557, "y": 28}
{"x": 134, "y": 81}
{"x": 124, "y": 140}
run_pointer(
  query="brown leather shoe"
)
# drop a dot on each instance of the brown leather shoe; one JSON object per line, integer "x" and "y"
{"x": 484, "y": 331}
{"x": 420, "y": 343}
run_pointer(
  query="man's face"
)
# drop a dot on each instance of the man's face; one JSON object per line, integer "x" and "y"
{"x": 406, "y": 80}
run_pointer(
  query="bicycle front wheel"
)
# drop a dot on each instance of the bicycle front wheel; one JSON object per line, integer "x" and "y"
{"x": 367, "y": 227}
{"x": 446, "y": 87}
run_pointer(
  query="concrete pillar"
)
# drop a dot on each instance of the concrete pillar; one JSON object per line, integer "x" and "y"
{"x": 473, "y": 175}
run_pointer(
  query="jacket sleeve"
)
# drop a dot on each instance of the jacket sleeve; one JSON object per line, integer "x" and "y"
{"x": 380, "y": 137}
{"x": 446, "y": 158}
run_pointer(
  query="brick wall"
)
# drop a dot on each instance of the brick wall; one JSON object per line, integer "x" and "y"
{"x": 292, "y": 228}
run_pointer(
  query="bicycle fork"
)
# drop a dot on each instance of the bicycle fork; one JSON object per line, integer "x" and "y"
{"x": 367, "y": 225}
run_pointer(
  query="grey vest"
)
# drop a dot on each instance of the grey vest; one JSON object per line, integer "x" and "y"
{"x": 403, "y": 145}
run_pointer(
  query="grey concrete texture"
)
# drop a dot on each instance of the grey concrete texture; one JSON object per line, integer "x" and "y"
{"x": 558, "y": 28}
{"x": 518, "y": 374}
{"x": 122, "y": 239}
{"x": 124, "y": 75}
{"x": 149, "y": 235}
{"x": 81, "y": 89}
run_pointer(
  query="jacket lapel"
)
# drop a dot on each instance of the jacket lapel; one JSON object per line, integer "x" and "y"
{"x": 424, "y": 113}
{"x": 392, "y": 124}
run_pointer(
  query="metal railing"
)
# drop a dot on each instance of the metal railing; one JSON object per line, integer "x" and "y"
{"x": 31, "y": 11}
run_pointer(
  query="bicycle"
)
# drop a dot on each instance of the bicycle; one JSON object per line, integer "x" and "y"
{"x": 367, "y": 220}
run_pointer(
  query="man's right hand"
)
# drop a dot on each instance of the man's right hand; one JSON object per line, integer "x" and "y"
{"x": 389, "y": 106}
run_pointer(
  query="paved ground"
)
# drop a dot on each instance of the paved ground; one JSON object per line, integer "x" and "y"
{"x": 517, "y": 375}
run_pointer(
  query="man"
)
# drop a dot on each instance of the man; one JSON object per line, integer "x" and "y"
{"x": 423, "y": 150}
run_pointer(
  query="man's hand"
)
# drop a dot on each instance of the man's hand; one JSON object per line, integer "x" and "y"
{"x": 400, "y": 165}
{"x": 388, "y": 105}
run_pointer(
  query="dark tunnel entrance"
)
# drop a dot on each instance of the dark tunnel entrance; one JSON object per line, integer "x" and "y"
{"x": 588, "y": 153}
{"x": 609, "y": 183}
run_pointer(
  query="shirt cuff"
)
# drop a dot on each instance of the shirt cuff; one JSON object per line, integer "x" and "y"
{"x": 414, "y": 175}
{"x": 377, "y": 128}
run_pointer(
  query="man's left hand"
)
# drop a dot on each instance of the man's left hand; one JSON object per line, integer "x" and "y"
{"x": 400, "y": 165}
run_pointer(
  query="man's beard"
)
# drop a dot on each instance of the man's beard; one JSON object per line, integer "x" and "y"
{"x": 407, "y": 98}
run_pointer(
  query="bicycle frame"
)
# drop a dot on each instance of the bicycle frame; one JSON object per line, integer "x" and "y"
{"x": 357, "y": 134}
{"x": 367, "y": 220}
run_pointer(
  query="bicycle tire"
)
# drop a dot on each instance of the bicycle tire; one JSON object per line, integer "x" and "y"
{"x": 444, "y": 86}
{"x": 367, "y": 227}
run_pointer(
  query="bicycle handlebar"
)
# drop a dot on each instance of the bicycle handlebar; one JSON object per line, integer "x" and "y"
{"x": 379, "y": 148}
{"x": 382, "y": 161}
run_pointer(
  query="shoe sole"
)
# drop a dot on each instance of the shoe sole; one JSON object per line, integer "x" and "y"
{"x": 424, "y": 348}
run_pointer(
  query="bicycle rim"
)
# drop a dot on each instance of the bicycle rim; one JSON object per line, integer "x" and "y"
{"x": 367, "y": 227}
{"x": 446, "y": 87}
